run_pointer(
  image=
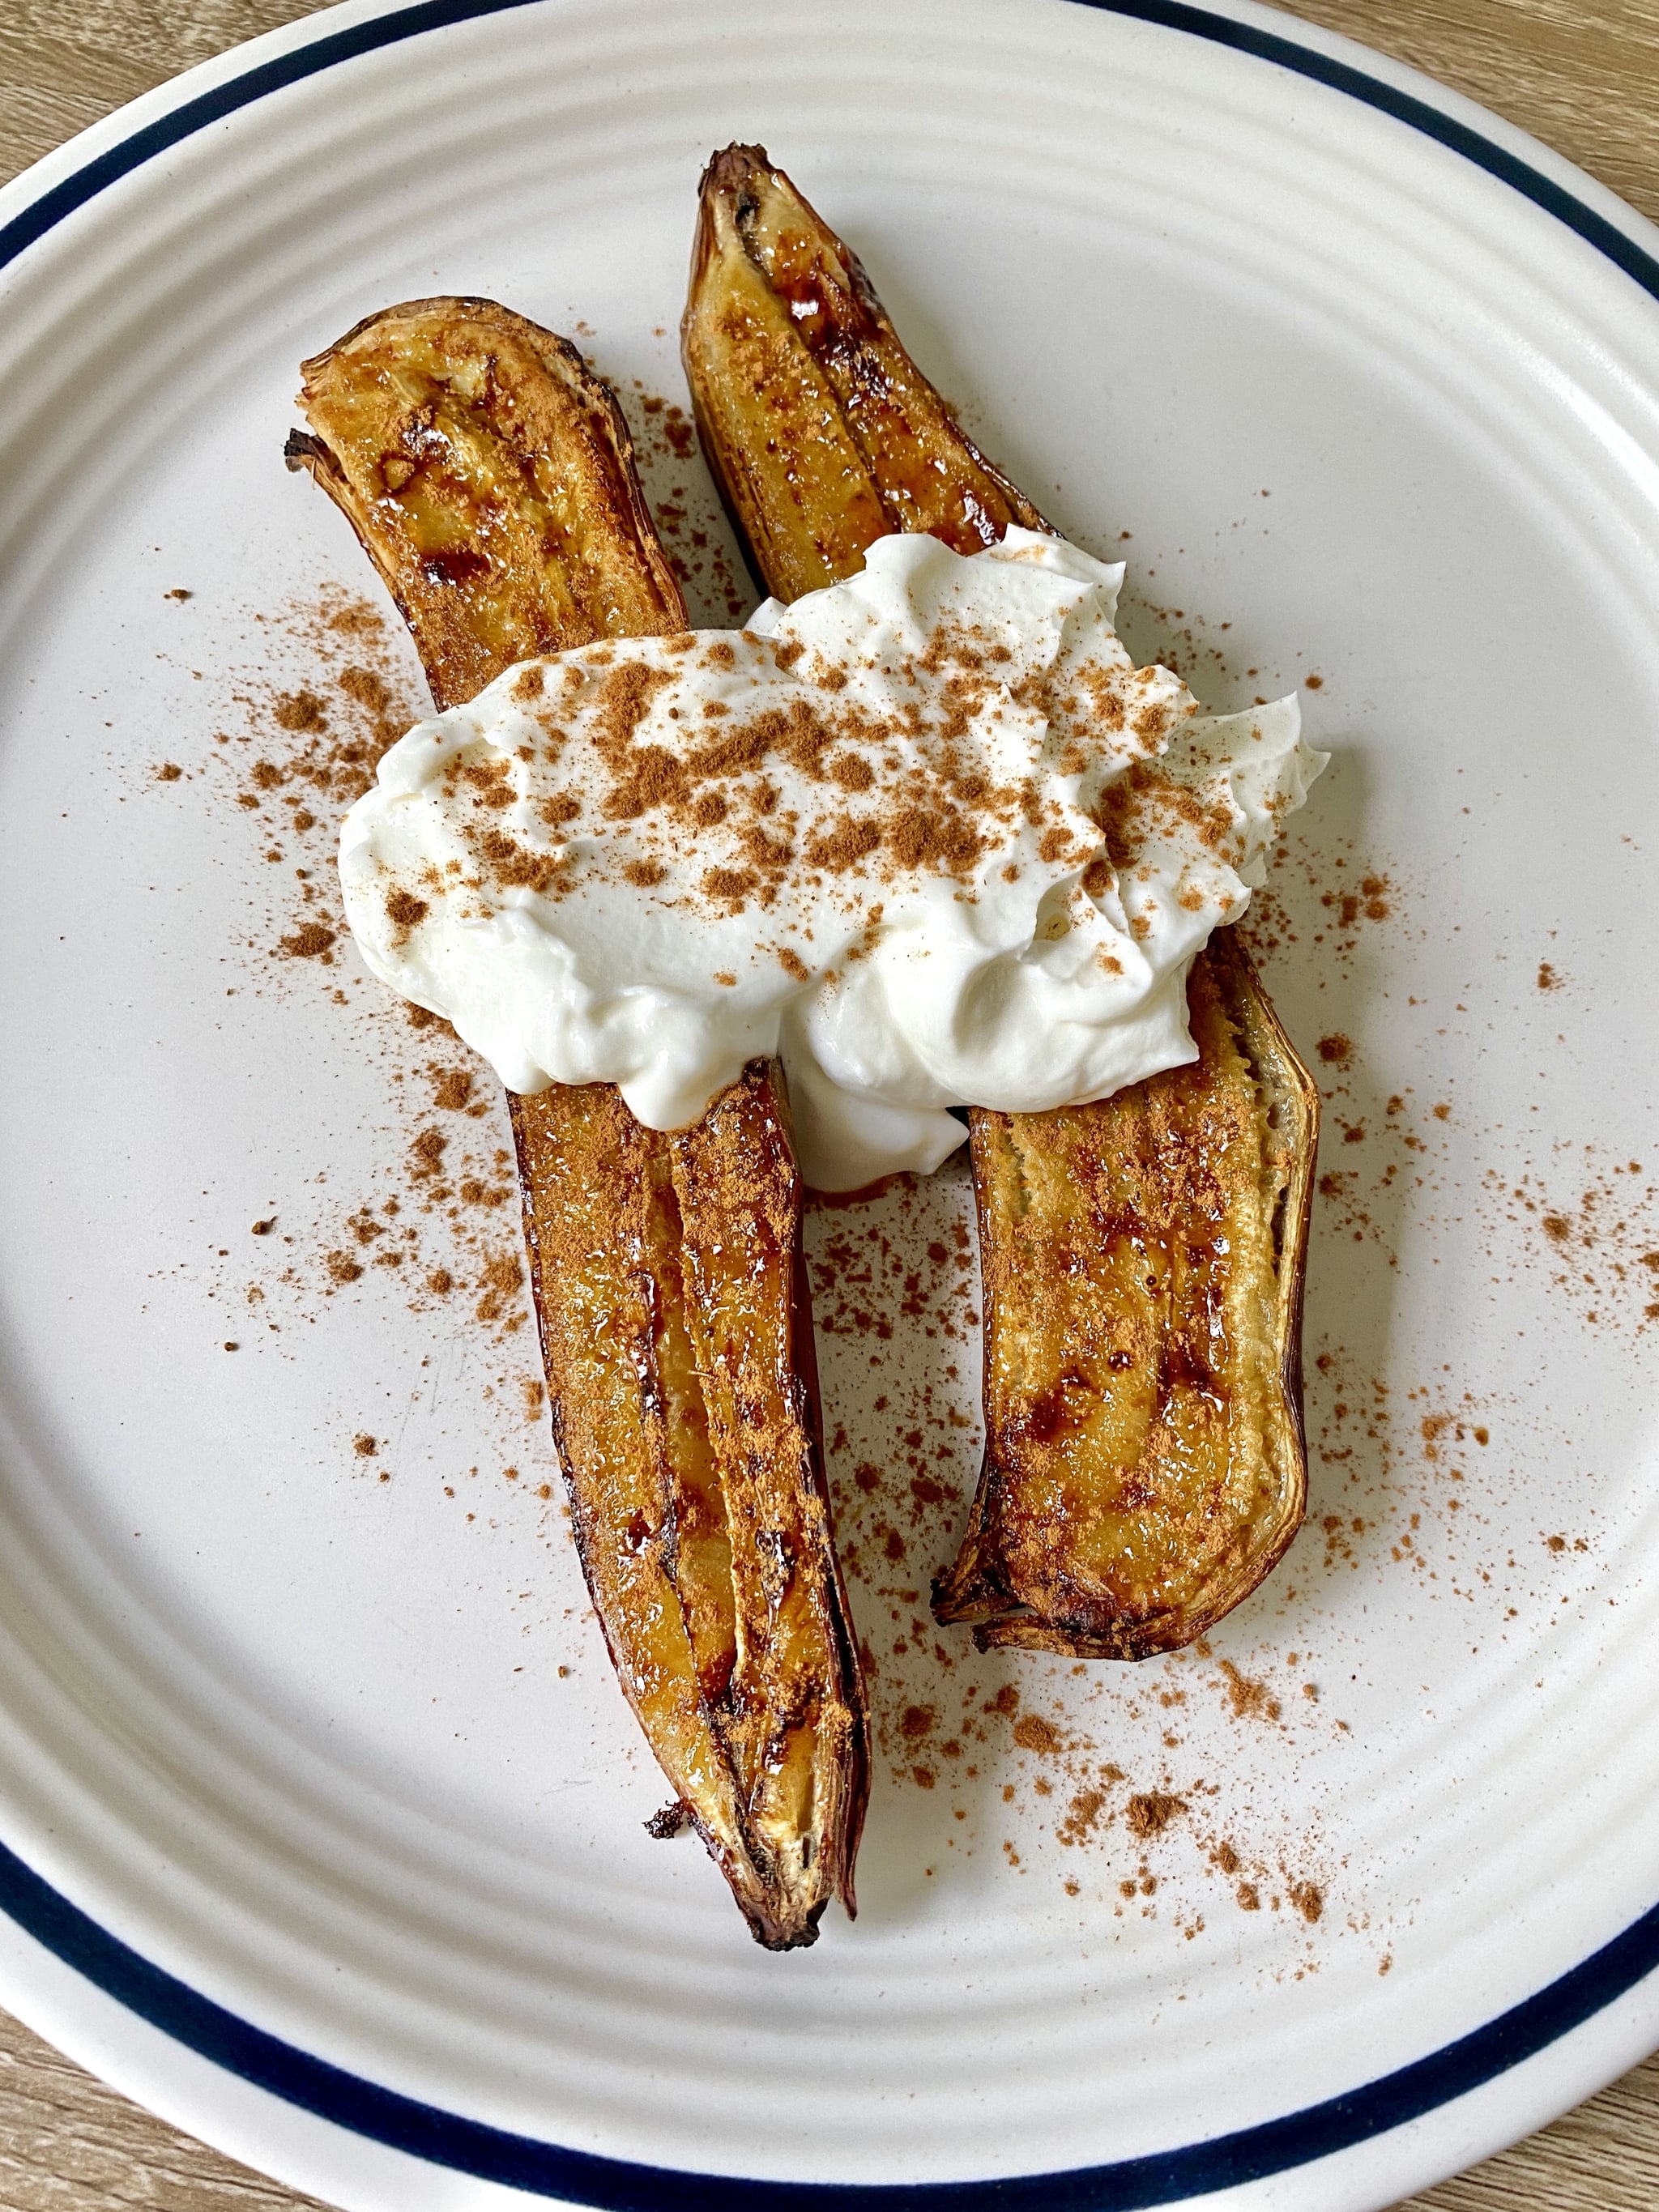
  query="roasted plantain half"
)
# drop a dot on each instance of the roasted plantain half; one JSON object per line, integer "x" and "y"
{"x": 677, "y": 1341}
{"x": 489, "y": 474}
{"x": 1145, "y": 1464}
{"x": 821, "y": 431}
{"x": 1142, "y": 1257}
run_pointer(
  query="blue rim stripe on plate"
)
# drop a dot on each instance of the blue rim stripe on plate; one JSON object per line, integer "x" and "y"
{"x": 442, "y": 2138}
{"x": 493, "y": 2155}
{"x": 324, "y": 54}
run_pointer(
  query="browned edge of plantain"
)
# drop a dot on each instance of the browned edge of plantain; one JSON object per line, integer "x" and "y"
{"x": 489, "y": 474}
{"x": 822, "y": 435}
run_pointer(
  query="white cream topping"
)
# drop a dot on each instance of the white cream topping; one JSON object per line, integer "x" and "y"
{"x": 928, "y": 834}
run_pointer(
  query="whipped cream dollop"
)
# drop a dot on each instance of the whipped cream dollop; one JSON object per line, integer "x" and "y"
{"x": 930, "y": 835}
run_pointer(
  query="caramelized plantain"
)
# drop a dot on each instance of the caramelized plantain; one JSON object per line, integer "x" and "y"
{"x": 678, "y": 1346}
{"x": 489, "y": 475}
{"x": 1145, "y": 1464}
{"x": 822, "y": 432}
{"x": 1142, "y": 1257}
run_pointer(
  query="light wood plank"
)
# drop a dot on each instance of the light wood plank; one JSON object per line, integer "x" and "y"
{"x": 68, "y": 2144}
{"x": 1581, "y": 75}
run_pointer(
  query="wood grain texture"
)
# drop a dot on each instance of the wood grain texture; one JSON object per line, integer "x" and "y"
{"x": 1583, "y": 75}
{"x": 68, "y": 2144}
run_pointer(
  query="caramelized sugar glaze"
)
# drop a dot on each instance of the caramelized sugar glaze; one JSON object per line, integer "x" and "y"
{"x": 822, "y": 433}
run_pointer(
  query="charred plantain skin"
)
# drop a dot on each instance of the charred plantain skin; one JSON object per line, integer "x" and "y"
{"x": 489, "y": 475}
{"x": 1145, "y": 1463}
{"x": 1143, "y": 1257}
{"x": 822, "y": 432}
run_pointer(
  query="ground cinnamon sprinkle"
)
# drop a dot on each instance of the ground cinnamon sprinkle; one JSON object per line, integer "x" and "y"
{"x": 404, "y": 909}
{"x": 1322, "y": 893}
{"x": 896, "y": 1298}
{"x": 876, "y": 796}
{"x": 1308, "y": 1899}
{"x": 293, "y": 757}
{"x": 1033, "y": 1733}
{"x": 311, "y": 940}
{"x": 1248, "y": 1700}
{"x": 1082, "y": 1817}
{"x": 292, "y": 754}
{"x": 891, "y": 1278}
{"x": 695, "y": 532}
{"x": 1151, "y": 1812}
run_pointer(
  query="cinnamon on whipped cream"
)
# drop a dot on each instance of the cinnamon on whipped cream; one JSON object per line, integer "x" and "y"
{"x": 929, "y": 835}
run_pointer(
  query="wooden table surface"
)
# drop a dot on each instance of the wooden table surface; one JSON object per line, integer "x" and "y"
{"x": 1583, "y": 74}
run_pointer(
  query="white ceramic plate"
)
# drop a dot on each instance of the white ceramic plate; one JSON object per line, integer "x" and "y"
{"x": 323, "y": 1814}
